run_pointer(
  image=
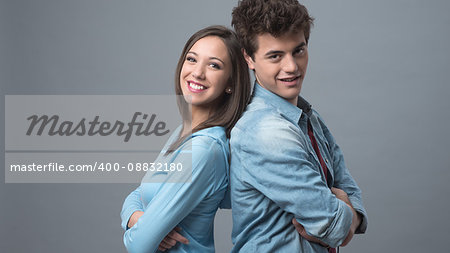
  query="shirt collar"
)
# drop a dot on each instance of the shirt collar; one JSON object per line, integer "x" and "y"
{"x": 304, "y": 105}
{"x": 293, "y": 113}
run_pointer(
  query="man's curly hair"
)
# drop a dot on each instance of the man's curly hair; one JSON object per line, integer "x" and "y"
{"x": 276, "y": 17}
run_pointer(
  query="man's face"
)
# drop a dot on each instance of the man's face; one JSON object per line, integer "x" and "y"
{"x": 280, "y": 64}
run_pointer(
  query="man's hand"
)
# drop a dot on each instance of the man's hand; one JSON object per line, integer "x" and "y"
{"x": 171, "y": 239}
{"x": 301, "y": 230}
{"x": 134, "y": 218}
{"x": 340, "y": 194}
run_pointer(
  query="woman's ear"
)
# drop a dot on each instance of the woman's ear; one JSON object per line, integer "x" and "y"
{"x": 249, "y": 60}
{"x": 228, "y": 90}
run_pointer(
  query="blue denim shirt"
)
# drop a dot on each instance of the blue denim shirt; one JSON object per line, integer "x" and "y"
{"x": 276, "y": 176}
{"x": 188, "y": 200}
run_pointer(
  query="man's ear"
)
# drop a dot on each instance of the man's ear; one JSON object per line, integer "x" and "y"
{"x": 249, "y": 60}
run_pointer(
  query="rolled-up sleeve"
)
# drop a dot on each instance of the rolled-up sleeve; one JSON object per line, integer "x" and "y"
{"x": 343, "y": 179}
{"x": 276, "y": 164}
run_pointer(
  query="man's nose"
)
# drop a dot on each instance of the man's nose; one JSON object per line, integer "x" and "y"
{"x": 289, "y": 64}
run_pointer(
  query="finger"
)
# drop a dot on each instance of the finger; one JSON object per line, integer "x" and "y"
{"x": 301, "y": 230}
{"x": 310, "y": 238}
{"x": 313, "y": 239}
{"x": 165, "y": 245}
{"x": 297, "y": 226}
{"x": 305, "y": 235}
{"x": 336, "y": 191}
{"x": 178, "y": 237}
{"x": 324, "y": 244}
{"x": 169, "y": 241}
{"x": 161, "y": 248}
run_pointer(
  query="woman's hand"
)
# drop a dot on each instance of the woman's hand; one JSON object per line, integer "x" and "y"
{"x": 134, "y": 218}
{"x": 171, "y": 239}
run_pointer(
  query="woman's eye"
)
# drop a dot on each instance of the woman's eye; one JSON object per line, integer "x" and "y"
{"x": 190, "y": 59}
{"x": 215, "y": 65}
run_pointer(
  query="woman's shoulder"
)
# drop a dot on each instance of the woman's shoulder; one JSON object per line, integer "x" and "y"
{"x": 210, "y": 145}
{"x": 216, "y": 132}
{"x": 210, "y": 154}
{"x": 210, "y": 137}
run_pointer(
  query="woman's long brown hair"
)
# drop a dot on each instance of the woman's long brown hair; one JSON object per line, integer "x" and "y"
{"x": 232, "y": 105}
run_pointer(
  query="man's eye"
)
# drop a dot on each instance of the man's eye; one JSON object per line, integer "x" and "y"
{"x": 274, "y": 56}
{"x": 299, "y": 51}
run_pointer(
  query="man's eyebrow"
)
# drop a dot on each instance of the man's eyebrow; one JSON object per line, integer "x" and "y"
{"x": 301, "y": 45}
{"x": 274, "y": 52}
{"x": 271, "y": 52}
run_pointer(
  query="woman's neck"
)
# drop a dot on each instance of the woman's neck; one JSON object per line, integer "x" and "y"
{"x": 199, "y": 115}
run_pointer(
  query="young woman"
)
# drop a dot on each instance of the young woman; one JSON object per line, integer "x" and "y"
{"x": 213, "y": 79}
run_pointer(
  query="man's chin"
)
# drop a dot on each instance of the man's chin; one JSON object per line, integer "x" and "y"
{"x": 291, "y": 98}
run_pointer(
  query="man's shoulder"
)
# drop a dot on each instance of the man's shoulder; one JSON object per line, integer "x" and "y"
{"x": 257, "y": 118}
{"x": 260, "y": 128}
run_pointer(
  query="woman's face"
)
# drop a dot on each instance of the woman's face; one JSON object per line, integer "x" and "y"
{"x": 205, "y": 72}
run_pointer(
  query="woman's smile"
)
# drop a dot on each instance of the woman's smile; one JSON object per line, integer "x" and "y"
{"x": 196, "y": 87}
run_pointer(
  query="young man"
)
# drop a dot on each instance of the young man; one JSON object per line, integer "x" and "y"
{"x": 287, "y": 172}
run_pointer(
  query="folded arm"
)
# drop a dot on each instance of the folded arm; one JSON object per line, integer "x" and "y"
{"x": 286, "y": 176}
{"x": 343, "y": 179}
{"x": 132, "y": 204}
{"x": 174, "y": 201}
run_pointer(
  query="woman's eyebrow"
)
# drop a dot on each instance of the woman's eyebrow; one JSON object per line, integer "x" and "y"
{"x": 215, "y": 58}
{"x": 211, "y": 58}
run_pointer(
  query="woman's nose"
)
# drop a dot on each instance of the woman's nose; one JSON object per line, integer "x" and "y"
{"x": 199, "y": 72}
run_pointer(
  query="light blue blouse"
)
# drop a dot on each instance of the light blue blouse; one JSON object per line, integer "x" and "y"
{"x": 188, "y": 200}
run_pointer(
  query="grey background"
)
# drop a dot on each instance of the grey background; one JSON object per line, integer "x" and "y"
{"x": 378, "y": 74}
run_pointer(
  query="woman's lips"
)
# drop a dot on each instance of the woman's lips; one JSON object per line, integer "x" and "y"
{"x": 195, "y": 87}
